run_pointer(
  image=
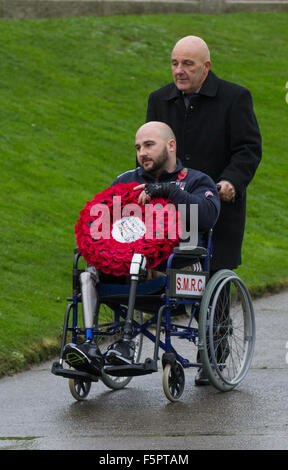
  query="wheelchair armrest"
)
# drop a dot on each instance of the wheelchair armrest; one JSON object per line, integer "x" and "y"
{"x": 194, "y": 251}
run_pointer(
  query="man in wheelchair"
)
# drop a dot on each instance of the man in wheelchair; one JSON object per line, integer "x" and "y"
{"x": 159, "y": 174}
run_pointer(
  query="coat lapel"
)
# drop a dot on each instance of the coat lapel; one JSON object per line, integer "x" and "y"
{"x": 209, "y": 88}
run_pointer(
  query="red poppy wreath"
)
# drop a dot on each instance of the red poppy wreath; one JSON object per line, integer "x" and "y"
{"x": 113, "y": 226}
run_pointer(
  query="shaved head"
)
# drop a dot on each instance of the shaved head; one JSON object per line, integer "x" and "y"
{"x": 190, "y": 61}
{"x": 156, "y": 147}
{"x": 160, "y": 128}
{"x": 193, "y": 43}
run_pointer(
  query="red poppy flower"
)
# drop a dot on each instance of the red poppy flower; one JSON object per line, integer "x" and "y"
{"x": 113, "y": 226}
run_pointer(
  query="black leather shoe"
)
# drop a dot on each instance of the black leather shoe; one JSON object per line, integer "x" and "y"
{"x": 200, "y": 378}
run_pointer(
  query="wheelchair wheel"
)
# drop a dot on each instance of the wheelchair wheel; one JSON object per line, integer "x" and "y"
{"x": 226, "y": 330}
{"x": 173, "y": 381}
{"x": 107, "y": 315}
{"x": 79, "y": 389}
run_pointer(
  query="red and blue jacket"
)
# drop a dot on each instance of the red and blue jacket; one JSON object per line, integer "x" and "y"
{"x": 190, "y": 187}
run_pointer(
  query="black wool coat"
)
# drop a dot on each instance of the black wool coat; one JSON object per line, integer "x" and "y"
{"x": 217, "y": 134}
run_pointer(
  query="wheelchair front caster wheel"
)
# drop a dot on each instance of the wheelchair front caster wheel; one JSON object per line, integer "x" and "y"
{"x": 79, "y": 389}
{"x": 173, "y": 381}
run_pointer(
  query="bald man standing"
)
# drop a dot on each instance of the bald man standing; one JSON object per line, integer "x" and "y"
{"x": 216, "y": 132}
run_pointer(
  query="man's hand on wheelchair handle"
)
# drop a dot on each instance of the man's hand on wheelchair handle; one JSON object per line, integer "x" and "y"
{"x": 226, "y": 191}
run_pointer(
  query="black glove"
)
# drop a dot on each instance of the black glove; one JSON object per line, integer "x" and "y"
{"x": 158, "y": 189}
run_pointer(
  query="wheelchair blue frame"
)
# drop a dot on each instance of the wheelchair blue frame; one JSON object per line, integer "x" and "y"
{"x": 158, "y": 292}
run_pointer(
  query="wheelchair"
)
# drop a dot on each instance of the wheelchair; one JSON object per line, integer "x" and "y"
{"x": 213, "y": 315}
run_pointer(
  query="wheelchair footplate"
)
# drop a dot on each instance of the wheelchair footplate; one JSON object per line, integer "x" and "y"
{"x": 58, "y": 369}
{"x": 131, "y": 370}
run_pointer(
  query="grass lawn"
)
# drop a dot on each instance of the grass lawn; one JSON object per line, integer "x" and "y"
{"x": 73, "y": 92}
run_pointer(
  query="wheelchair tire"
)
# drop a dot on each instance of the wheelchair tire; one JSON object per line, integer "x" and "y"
{"x": 79, "y": 389}
{"x": 226, "y": 330}
{"x": 113, "y": 382}
{"x": 173, "y": 381}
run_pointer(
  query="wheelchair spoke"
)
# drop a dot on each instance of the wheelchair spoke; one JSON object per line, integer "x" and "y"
{"x": 227, "y": 318}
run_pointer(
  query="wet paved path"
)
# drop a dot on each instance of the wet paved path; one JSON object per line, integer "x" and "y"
{"x": 37, "y": 410}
